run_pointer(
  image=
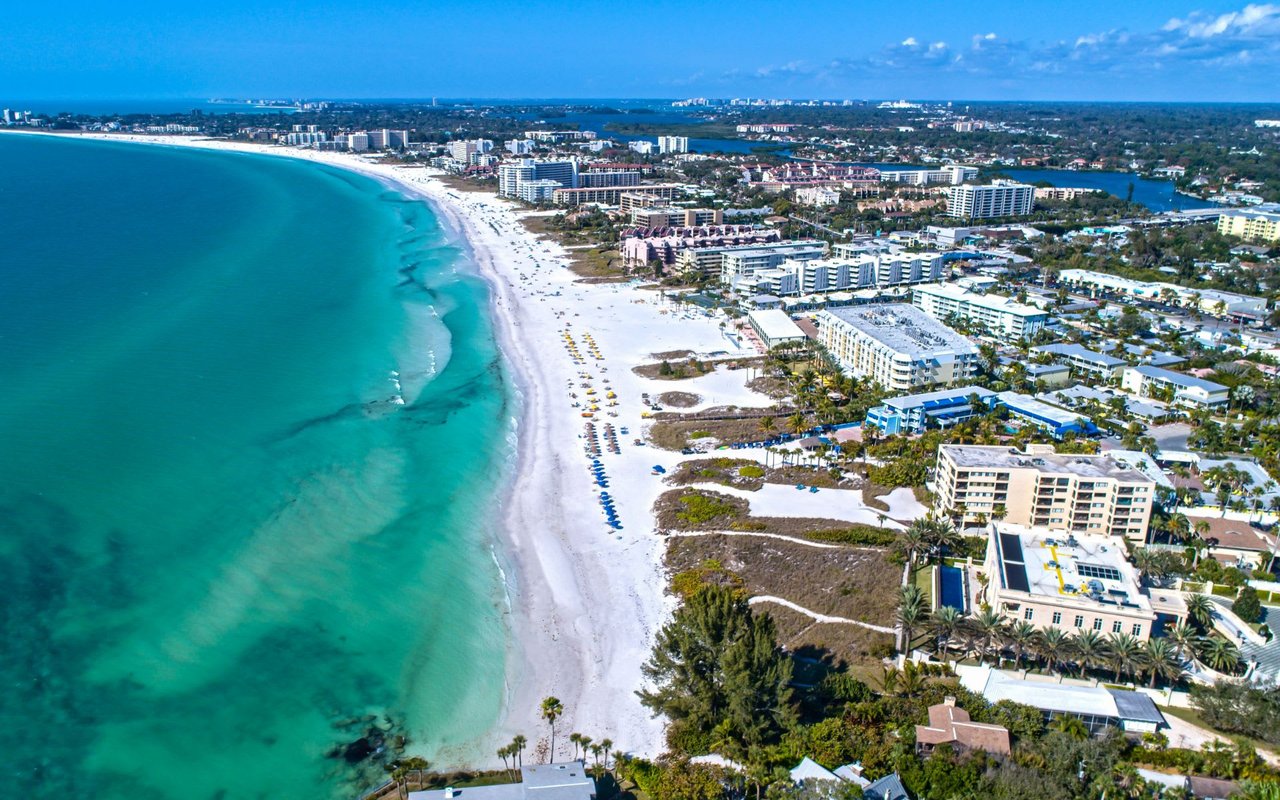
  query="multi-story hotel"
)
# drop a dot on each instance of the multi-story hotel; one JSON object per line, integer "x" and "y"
{"x": 1074, "y": 582}
{"x": 1070, "y": 492}
{"x": 673, "y": 144}
{"x": 1174, "y": 387}
{"x": 745, "y": 259}
{"x": 999, "y": 199}
{"x": 898, "y": 345}
{"x": 511, "y": 175}
{"x": 614, "y": 195}
{"x": 999, "y": 315}
{"x": 1261, "y": 226}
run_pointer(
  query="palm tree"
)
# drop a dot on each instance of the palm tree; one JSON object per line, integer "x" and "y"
{"x": 1200, "y": 611}
{"x": 1021, "y": 635}
{"x": 988, "y": 625}
{"x": 586, "y": 744}
{"x": 797, "y": 423}
{"x": 503, "y": 752}
{"x": 944, "y": 622}
{"x": 551, "y": 709}
{"x": 1053, "y": 645}
{"x": 605, "y": 746}
{"x": 910, "y": 613}
{"x": 1221, "y": 654}
{"x": 1089, "y": 650}
{"x": 914, "y": 540}
{"x": 1185, "y": 640}
{"x": 1123, "y": 653}
{"x": 576, "y": 739}
{"x": 1160, "y": 658}
{"x": 767, "y": 425}
{"x": 519, "y": 743}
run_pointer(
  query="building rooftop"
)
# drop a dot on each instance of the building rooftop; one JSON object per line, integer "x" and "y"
{"x": 775, "y": 324}
{"x": 1094, "y": 700}
{"x": 949, "y": 723}
{"x": 1179, "y": 379}
{"x": 905, "y": 329}
{"x": 940, "y": 397}
{"x": 560, "y": 781}
{"x": 1026, "y": 404}
{"x": 1084, "y": 466}
{"x": 994, "y": 302}
{"x": 1084, "y": 568}
{"x": 1080, "y": 352}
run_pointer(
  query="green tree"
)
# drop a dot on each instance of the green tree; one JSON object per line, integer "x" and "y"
{"x": 718, "y": 663}
{"x": 1200, "y": 611}
{"x": 1123, "y": 654}
{"x": 1247, "y": 606}
{"x": 552, "y": 708}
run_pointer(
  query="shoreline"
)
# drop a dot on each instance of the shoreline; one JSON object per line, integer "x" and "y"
{"x": 584, "y": 607}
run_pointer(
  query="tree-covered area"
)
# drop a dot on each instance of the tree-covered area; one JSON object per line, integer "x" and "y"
{"x": 727, "y": 688}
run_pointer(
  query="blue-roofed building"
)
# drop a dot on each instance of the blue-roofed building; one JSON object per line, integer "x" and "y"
{"x": 887, "y": 788}
{"x": 917, "y": 412}
{"x": 1058, "y": 422}
{"x": 1082, "y": 359}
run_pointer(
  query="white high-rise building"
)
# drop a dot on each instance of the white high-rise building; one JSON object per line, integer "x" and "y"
{"x": 999, "y": 199}
{"x": 641, "y": 146}
{"x": 673, "y": 144}
{"x": 357, "y": 142}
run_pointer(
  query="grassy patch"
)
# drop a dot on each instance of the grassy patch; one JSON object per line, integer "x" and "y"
{"x": 736, "y": 472}
{"x": 461, "y": 184}
{"x": 860, "y": 535}
{"x": 673, "y": 433}
{"x": 679, "y": 399}
{"x": 1192, "y": 715}
{"x": 846, "y": 583}
{"x": 690, "y": 509}
{"x": 871, "y": 494}
{"x": 675, "y": 369}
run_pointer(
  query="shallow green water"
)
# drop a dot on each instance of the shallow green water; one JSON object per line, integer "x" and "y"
{"x": 220, "y": 533}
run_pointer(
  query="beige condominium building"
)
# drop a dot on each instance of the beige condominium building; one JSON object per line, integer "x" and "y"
{"x": 1073, "y": 581}
{"x": 898, "y": 345}
{"x": 1059, "y": 491}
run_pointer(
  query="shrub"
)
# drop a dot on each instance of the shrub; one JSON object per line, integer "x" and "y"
{"x": 751, "y": 471}
{"x": 700, "y": 508}
{"x": 857, "y": 535}
{"x": 1247, "y": 606}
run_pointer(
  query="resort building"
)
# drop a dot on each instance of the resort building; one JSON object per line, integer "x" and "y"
{"x": 774, "y": 327}
{"x": 1097, "y": 707}
{"x": 953, "y": 174}
{"x": 561, "y": 781}
{"x": 1076, "y": 582}
{"x": 673, "y": 144}
{"x": 614, "y": 195}
{"x": 897, "y": 345}
{"x": 866, "y": 271}
{"x": 1258, "y": 226}
{"x": 537, "y": 191}
{"x": 817, "y": 196}
{"x": 669, "y": 217}
{"x": 1064, "y": 192}
{"x": 739, "y": 262}
{"x": 1057, "y": 422}
{"x": 951, "y": 725}
{"x": 999, "y": 199}
{"x": 914, "y": 413}
{"x": 999, "y": 315}
{"x": 1040, "y": 487}
{"x": 511, "y": 175}
{"x": 607, "y": 179}
{"x": 642, "y": 246}
{"x": 1174, "y": 387}
{"x": 1082, "y": 360}
{"x": 1207, "y": 301}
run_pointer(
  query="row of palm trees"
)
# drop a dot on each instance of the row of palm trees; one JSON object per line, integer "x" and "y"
{"x": 988, "y": 634}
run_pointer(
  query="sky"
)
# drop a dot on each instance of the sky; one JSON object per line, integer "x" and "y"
{"x": 856, "y": 49}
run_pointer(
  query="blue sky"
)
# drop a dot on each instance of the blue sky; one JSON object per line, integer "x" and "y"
{"x": 996, "y": 50}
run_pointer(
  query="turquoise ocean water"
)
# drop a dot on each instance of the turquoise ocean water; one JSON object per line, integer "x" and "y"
{"x": 224, "y": 542}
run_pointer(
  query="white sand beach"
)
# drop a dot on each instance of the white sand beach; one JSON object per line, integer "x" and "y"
{"x": 586, "y": 599}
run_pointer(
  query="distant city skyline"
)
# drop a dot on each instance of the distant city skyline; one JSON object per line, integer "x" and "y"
{"x": 1176, "y": 51}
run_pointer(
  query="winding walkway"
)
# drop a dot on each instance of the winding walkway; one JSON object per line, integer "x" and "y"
{"x": 780, "y": 536}
{"x": 815, "y": 616}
